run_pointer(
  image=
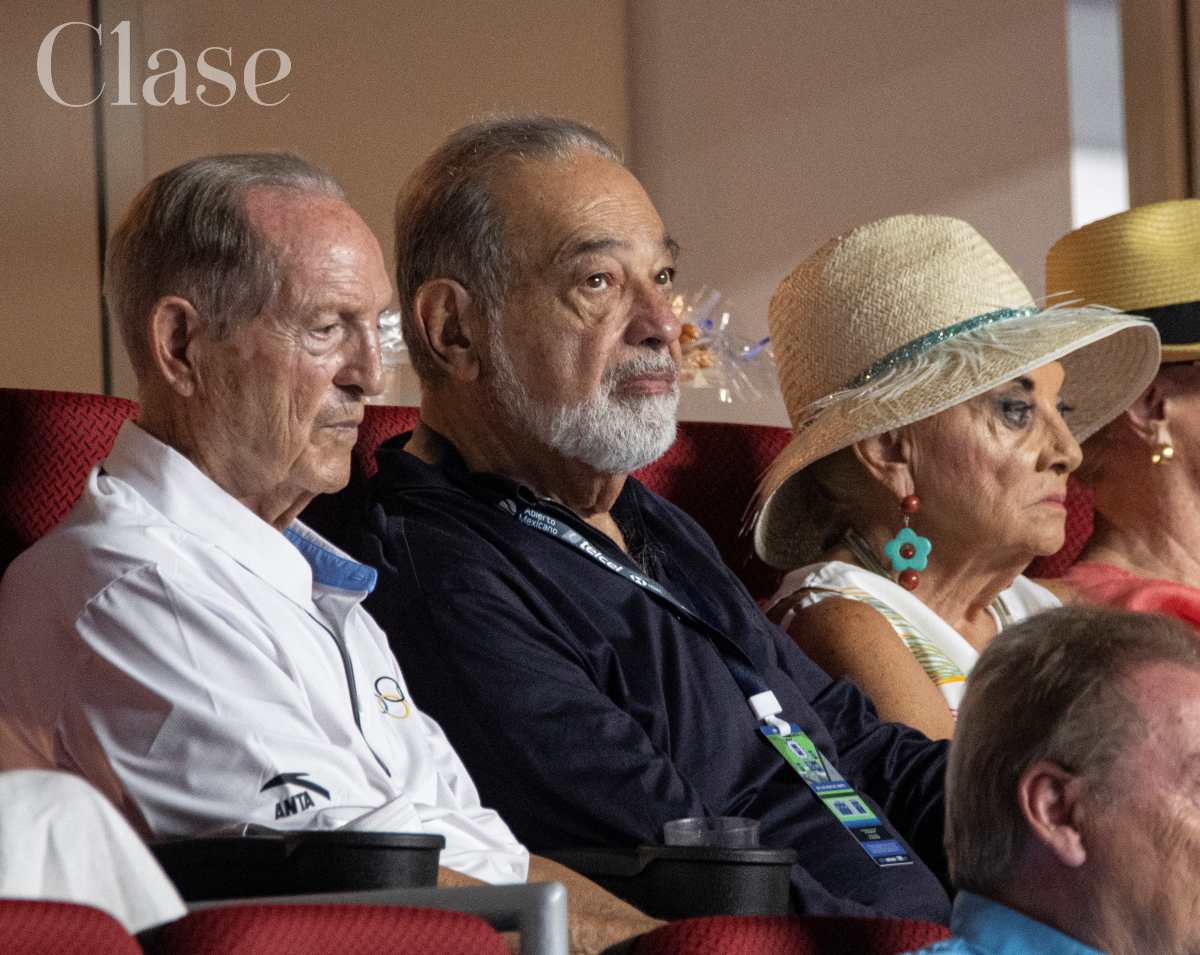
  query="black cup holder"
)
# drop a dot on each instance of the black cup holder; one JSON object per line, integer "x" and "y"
{"x": 297, "y": 863}
{"x": 673, "y": 882}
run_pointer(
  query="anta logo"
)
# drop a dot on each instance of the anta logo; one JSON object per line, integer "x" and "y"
{"x": 291, "y": 805}
{"x": 390, "y": 697}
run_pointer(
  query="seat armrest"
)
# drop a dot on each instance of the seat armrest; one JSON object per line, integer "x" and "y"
{"x": 538, "y": 911}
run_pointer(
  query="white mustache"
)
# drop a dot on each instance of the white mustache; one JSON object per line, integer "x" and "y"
{"x": 637, "y": 367}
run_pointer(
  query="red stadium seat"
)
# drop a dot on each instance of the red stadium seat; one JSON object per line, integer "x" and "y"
{"x": 41, "y": 928}
{"x": 767, "y": 935}
{"x": 278, "y": 929}
{"x": 52, "y": 439}
{"x": 380, "y": 423}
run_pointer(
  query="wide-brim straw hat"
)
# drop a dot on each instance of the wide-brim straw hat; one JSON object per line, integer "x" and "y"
{"x": 908, "y": 316}
{"x": 1146, "y": 260}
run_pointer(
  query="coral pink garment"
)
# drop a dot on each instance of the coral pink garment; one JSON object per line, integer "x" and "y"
{"x": 1109, "y": 585}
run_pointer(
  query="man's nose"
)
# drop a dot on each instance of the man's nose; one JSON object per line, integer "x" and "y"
{"x": 363, "y": 367}
{"x": 653, "y": 321}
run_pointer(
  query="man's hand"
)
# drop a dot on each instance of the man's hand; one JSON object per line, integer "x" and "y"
{"x": 597, "y": 918}
{"x": 449, "y": 879}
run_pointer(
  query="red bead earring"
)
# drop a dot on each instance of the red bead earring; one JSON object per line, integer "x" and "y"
{"x": 908, "y": 551}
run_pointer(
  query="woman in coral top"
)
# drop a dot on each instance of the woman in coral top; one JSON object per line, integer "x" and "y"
{"x": 1144, "y": 466}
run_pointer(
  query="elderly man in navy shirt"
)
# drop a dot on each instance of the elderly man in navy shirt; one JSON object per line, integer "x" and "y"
{"x": 597, "y": 667}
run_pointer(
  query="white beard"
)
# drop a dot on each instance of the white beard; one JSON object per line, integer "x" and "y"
{"x": 612, "y": 435}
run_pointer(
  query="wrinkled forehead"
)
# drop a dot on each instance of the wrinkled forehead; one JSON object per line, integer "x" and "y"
{"x": 301, "y": 225}
{"x": 314, "y": 235}
{"x": 551, "y": 206}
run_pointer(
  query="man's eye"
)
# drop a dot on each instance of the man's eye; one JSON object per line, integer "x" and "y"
{"x": 325, "y": 330}
{"x": 665, "y": 277}
{"x": 599, "y": 281}
{"x": 1064, "y": 409}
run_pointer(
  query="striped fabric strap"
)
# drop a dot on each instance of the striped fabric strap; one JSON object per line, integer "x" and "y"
{"x": 939, "y": 667}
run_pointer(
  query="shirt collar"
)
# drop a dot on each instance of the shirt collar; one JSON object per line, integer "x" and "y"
{"x": 330, "y": 567}
{"x": 181, "y": 492}
{"x": 999, "y": 930}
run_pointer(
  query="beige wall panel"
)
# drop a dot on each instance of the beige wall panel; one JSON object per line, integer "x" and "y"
{"x": 49, "y": 278}
{"x": 1155, "y": 81}
{"x": 375, "y": 85}
{"x": 762, "y": 129}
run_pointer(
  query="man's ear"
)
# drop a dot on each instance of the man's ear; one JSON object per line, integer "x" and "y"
{"x": 174, "y": 326}
{"x": 1147, "y": 416}
{"x": 888, "y": 459}
{"x": 1050, "y": 799}
{"x": 443, "y": 310}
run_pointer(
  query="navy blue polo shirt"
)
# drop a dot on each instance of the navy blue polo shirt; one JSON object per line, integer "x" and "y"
{"x": 589, "y": 713}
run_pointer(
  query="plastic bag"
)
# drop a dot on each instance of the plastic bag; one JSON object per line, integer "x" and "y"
{"x": 715, "y": 356}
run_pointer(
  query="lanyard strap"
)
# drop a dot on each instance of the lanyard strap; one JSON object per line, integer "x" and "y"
{"x": 855, "y": 814}
{"x": 762, "y": 701}
{"x": 826, "y": 783}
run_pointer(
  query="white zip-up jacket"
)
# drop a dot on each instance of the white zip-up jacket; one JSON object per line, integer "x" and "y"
{"x": 204, "y": 670}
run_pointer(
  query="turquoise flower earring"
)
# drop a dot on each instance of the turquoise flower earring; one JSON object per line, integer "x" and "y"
{"x": 908, "y": 551}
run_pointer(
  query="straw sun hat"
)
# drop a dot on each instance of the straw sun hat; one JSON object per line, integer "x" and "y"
{"x": 1146, "y": 260}
{"x": 908, "y": 316}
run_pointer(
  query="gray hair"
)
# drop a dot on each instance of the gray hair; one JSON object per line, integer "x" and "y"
{"x": 448, "y": 224}
{"x": 825, "y": 499}
{"x": 1049, "y": 688}
{"x": 187, "y": 234}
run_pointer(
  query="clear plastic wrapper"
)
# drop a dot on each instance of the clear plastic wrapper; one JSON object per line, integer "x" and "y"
{"x": 395, "y": 359}
{"x": 716, "y": 356}
{"x": 391, "y": 342}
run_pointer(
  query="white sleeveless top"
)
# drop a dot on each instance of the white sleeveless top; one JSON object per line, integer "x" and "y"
{"x": 944, "y": 654}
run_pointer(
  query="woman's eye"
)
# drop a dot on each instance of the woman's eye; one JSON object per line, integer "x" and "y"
{"x": 1016, "y": 413}
{"x": 665, "y": 277}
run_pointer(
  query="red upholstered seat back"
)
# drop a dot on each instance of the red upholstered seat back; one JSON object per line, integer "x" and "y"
{"x": 1079, "y": 528}
{"x": 320, "y": 929}
{"x": 380, "y": 423}
{"x": 769, "y": 935}
{"x": 51, "y": 440}
{"x": 710, "y": 471}
{"x": 36, "y": 928}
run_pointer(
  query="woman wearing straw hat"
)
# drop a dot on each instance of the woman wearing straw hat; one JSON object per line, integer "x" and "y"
{"x": 1144, "y": 466}
{"x": 936, "y": 413}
